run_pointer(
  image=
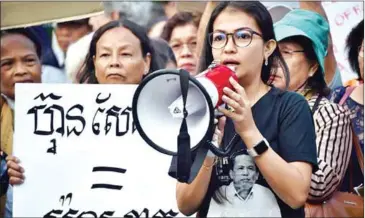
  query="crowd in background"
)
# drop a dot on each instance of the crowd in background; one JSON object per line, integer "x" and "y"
{"x": 122, "y": 47}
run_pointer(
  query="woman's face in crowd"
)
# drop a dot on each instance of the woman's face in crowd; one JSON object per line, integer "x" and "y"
{"x": 183, "y": 43}
{"x": 361, "y": 59}
{"x": 19, "y": 63}
{"x": 119, "y": 59}
{"x": 300, "y": 68}
{"x": 247, "y": 60}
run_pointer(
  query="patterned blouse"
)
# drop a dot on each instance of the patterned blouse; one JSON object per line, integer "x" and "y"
{"x": 357, "y": 120}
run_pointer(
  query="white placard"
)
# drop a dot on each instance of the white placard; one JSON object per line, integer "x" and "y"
{"x": 93, "y": 172}
{"x": 342, "y": 17}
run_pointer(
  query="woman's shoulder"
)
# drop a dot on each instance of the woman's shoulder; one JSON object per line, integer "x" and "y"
{"x": 326, "y": 108}
{"x": 288, "y": 98}
{"x": 337, "y": 93}
{"x": 288, "y": 105}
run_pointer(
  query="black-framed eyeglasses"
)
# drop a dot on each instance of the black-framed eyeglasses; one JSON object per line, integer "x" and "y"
{"x": 241, "y": 38}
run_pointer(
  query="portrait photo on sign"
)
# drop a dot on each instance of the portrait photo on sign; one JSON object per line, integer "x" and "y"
{"x": 239, "y": 193}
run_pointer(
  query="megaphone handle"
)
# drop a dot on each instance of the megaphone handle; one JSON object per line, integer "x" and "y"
{"x": 225, "y": 150}
{"x": 220, "y": 152}
{"x": 218, "y": 114}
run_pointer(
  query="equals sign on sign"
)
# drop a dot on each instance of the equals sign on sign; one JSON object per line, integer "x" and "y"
{"x": 108, "y": 169}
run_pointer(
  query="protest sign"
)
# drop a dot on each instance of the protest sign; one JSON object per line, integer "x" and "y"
{"x": 83, "y": 156}
{"x": 342, "y": 17}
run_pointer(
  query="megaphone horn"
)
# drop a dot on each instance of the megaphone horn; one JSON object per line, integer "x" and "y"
{"x": 156, "y": 124}
{"x": 171, "y": 108}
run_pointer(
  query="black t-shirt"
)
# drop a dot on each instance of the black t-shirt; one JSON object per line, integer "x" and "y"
{"x": 285, "y": 120}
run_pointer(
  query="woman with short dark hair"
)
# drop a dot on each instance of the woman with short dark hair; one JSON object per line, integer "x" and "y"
{"x": 180, "y": 32}
{"x": 20, "y": 63}
{"x": 352, "y": 97}
{"x": 274, "y": 127}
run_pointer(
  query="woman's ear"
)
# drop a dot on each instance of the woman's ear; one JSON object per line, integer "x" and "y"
{"x": 313, "y": 69}
{"x": 147, "y": 60}
{"x": 269, "y": 48}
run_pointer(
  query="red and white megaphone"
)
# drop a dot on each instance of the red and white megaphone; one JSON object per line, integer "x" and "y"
{"x": 158, "y": 107}
{"x": 214, "y": 79}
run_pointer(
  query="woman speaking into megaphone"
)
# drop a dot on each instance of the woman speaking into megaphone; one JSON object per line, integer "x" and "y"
{"x": 269, "y": 170}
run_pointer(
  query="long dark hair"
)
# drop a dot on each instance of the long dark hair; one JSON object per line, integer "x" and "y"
{"x": 262, "y": 17}
{"x": 316, "y": 83}
{"x": 163, "y": 51}
{"x": 353, "y": 43}
{"x": 87, "y": 73}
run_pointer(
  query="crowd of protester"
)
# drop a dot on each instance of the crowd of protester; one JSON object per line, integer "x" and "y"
{"x": 289, "y": 91}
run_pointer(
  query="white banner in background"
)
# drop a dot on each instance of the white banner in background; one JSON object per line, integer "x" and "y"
{"x": 342, "y": 17}
{"x": 83, "y": 157}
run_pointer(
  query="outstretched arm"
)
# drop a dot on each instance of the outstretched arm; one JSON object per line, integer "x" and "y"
{"x": 190, "y": 196}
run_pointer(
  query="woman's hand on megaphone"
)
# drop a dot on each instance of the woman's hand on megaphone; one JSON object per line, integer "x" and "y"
{"x": 240, "y": 111}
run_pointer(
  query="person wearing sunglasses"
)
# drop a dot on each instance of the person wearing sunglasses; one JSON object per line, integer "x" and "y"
{"x": 354, "y": 102}
{"x": 303, "y": 41}
{"x": 275, "y": 127}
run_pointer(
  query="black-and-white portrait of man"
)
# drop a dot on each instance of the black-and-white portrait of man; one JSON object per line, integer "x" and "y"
{"x": 243, "y": 197}
{"x": 243, "y": 175}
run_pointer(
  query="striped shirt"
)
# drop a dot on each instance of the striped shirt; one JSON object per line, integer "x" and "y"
{"x": 334, "y": 139}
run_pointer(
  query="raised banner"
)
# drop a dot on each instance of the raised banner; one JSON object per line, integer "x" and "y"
{"x": 342, "y": 17}
{"x": 83, "y": 156}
